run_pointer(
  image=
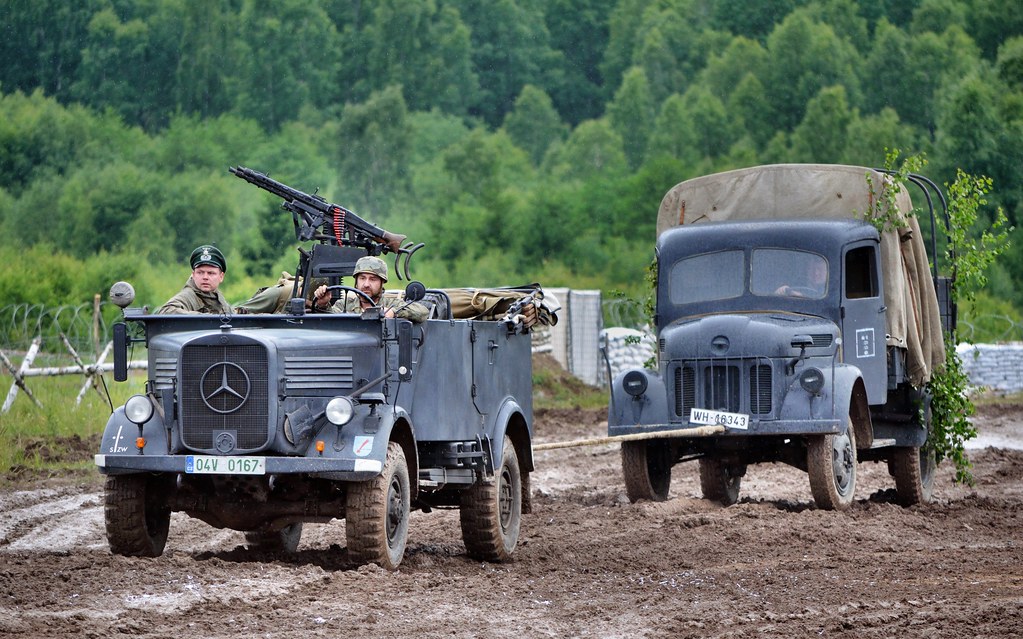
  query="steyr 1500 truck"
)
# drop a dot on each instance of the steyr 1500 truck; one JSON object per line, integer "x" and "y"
{"x": 263, "y": 422}
{"x": 788, "y": 330}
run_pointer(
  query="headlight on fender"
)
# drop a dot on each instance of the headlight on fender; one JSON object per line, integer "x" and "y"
{"x": 812, "y": 380}
{"x": 340, "y": 411}
{"x": 634, "y": 383}
{"x": 138, "y": 409}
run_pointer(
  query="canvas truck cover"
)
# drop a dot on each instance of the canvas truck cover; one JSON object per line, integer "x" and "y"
{"x": 808, "y": 191}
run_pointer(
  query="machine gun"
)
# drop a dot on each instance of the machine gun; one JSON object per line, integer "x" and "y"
{"x": 523, "y": 313}
{"x": 319, "y": 220}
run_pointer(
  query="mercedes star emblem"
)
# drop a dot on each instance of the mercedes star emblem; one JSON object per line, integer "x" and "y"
{"x": 224, "y": 387}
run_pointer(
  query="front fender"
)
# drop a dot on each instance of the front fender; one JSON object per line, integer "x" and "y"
{"x": 120, "y": 435}
{"x": 649, "y": 408}
{"x": 362, "y": 442}
{"x": 511, "y": 421}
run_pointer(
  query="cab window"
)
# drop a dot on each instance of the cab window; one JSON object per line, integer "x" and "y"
{"x": 707, "y": 277}
{"x": 861, "y": 273}
{"x": 789, "y": 273}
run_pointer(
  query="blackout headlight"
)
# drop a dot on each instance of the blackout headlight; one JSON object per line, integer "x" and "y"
{"x": 634, "y": 383}
{"x": 812, "y": 380}
{"x": 340, "y": 411}
{"x": 138, "y": 409}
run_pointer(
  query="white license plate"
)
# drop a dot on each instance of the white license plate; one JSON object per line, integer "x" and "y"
{"x": 210, "y": 465}
{"x": 719, "y": 418}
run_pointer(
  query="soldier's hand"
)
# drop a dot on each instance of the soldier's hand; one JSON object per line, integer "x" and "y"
{"x": 322, "y": 295}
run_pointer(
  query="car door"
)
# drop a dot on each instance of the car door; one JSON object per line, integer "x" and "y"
{"x": 863, "y": 317}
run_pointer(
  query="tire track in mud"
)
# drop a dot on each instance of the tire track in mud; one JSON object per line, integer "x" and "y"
{"x": 51, "y": 520}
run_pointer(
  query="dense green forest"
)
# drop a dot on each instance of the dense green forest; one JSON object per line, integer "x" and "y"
{"x": 520, "y": 140}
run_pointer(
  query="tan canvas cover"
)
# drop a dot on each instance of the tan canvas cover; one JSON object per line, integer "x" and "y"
{"x": 809, "y": 191}
{"x": 493, "y": 303}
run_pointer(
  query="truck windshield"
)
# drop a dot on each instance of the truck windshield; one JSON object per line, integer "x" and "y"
{"x": 789, "y": 273}
{"x": 709, "y": 276}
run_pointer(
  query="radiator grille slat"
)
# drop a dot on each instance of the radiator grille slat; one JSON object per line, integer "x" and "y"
{"x": 319, "y": 372}
{"x": 721, "y": 388}
{"x": 760, "y": 394}
{"x": 685, "y": 391}
{"x": 166, "y": 369}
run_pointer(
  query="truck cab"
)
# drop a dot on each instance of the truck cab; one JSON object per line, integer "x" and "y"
{"x": 774, "y": 343}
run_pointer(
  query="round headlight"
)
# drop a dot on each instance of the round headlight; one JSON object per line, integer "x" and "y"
{"x": 340, "y": 411}
{"x": 812, "y": 380}
{"x": 634, "y": 383}
{"x": 138, "y": 409}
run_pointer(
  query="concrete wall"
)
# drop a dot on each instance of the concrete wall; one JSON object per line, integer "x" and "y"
{"x": 996, "y": 367}
{"x": 575, "y": 340}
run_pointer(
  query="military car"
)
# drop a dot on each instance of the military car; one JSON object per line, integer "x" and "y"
{"x": 789, "y": 329}
{"x": 264, "y": 422}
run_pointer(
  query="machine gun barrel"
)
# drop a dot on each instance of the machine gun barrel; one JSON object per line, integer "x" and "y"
{"x": 311, "y": 212}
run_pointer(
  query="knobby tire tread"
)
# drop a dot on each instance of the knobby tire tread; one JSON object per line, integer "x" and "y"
{"x": 366, "y": 515}
{"x": 129, "y": 531}
{"x": 480, "y": 513}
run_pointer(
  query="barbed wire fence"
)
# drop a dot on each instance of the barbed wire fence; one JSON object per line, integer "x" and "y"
{"x": 38, "y": 340}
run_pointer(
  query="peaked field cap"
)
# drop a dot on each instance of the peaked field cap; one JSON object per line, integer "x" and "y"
{"x": 207, "y": 254}
{"x": 372, "y": 265}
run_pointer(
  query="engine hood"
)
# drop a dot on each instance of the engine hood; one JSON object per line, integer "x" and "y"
{"x": 746, "y": 335}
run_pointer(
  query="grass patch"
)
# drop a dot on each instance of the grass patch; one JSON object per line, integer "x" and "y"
{"x": 60, "y": 436}
{"x": 554, "y": 387}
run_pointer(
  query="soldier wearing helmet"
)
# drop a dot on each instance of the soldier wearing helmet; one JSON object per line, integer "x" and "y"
{"x": 370, "y": 277}
{"x": 201, "y": 294}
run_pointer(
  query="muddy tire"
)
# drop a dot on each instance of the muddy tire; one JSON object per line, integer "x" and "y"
{"x": 491, "y": 513}
{"x": 647, "y": 468}
{"x": 914, "y": 469}
{"x": 377, "y": 514}
{"x": 137, "y": 517}
{"x": 283, "y": 540}
{"x": 720, "y": 482}
{"x": 831, "y": 464}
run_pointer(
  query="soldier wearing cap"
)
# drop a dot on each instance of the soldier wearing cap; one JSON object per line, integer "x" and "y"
{"x": 200, "y": 294}
{"x": 370, "y": 277}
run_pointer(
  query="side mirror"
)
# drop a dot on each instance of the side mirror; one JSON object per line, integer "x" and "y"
{"x": 405, "y": 350}
{"x": 415, "y": 291}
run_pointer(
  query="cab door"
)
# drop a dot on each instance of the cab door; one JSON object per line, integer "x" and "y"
{"x": 864, "y": 326}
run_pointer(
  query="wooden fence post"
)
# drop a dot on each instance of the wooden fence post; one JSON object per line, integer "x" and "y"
{"x": 19, "y": 380}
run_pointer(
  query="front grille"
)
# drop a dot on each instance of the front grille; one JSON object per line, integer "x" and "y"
{"x": 732, "y": 385}
{"x": 760, "y": 389}
{"x": 721, "y": 388}
{"x": 224, "y": 388}
{"x": 685, "y": 391}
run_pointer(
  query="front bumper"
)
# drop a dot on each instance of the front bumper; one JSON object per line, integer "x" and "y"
{"x": 327, "y": 468}
{"x": 777, "y": 427}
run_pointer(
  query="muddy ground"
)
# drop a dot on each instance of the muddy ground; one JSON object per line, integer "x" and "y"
{"x": 589, "y": 563}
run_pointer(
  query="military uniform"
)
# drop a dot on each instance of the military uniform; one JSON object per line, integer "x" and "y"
{"x": 350, "y": 303}
{"x": 192, "y": 299}
{"x": 414, "y": 311}
{"x": 275, "y": 299}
